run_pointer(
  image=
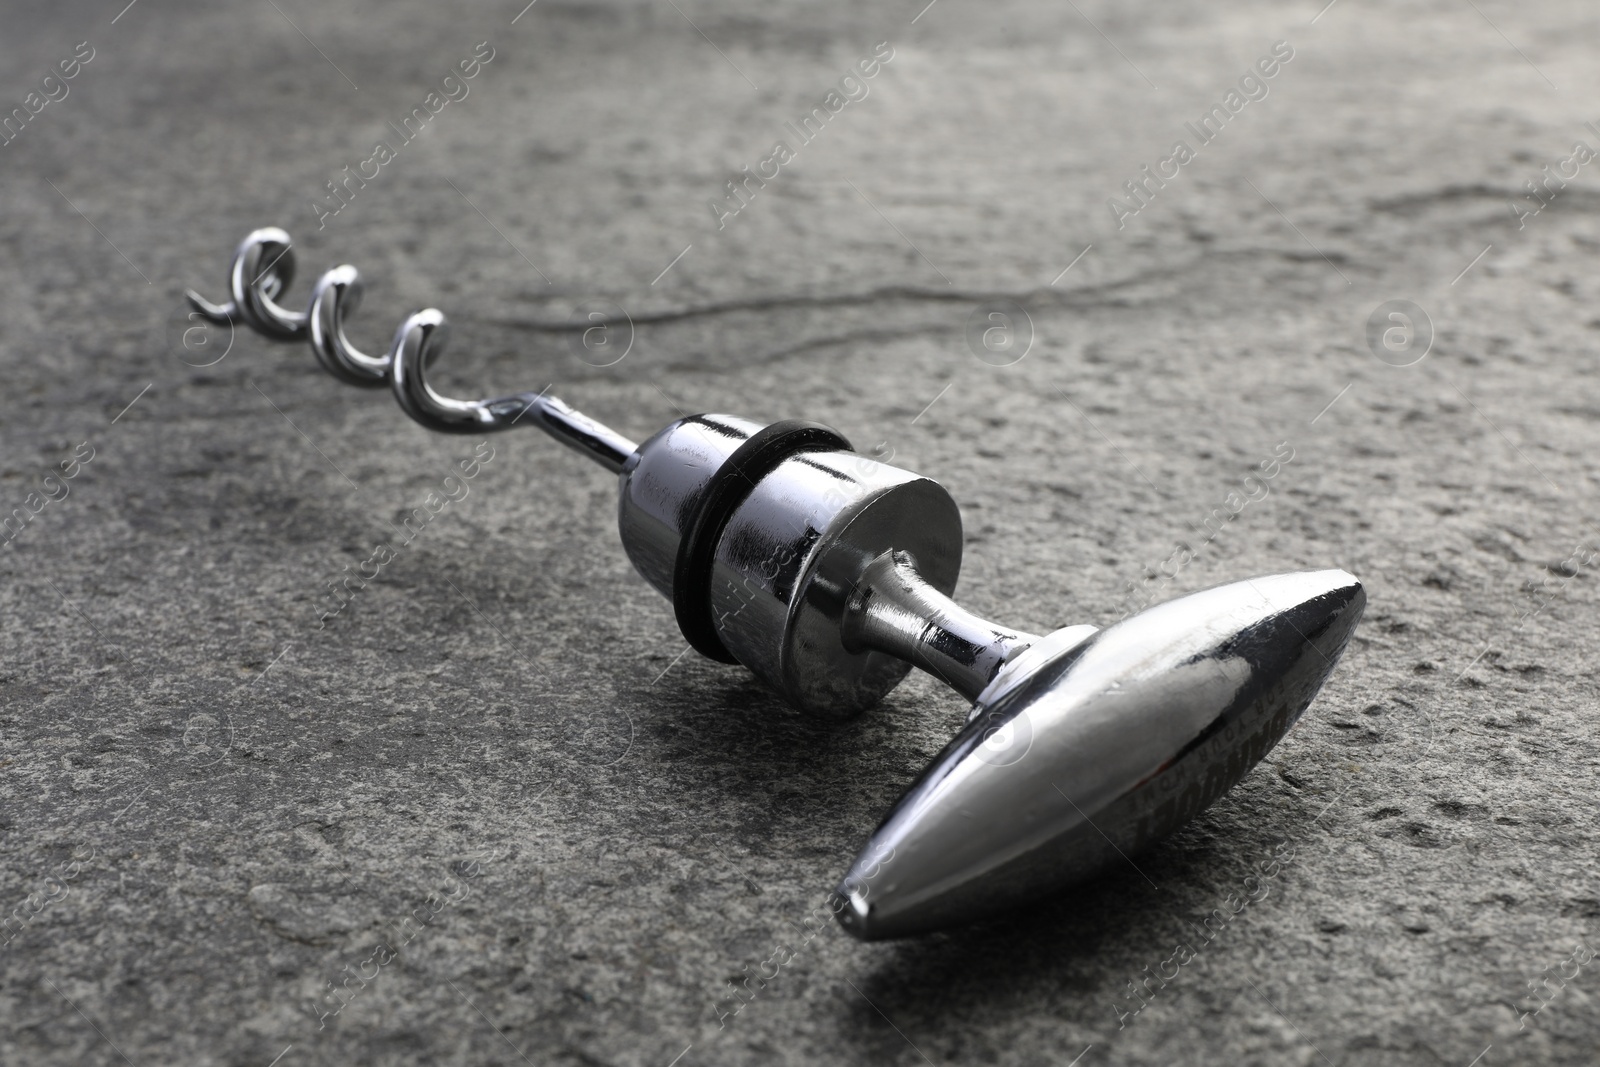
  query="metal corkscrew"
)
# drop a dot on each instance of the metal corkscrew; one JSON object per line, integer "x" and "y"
{"x": 829, "y": 574}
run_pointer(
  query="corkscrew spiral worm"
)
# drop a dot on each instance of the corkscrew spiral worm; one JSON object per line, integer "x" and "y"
{"x": 261, "y": 272}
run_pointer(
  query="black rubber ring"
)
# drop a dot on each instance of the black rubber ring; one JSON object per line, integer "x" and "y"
{"x": 729, "y": 486}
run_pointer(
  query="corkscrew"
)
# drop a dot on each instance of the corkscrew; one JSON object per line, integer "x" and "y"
{"x": 829, "y": 576}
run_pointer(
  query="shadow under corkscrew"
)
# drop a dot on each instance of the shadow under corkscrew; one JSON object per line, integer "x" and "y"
{"x": 263, "y": 266}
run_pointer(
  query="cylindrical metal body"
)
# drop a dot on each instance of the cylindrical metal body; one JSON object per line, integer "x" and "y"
{"x": 791, "y": 553}
{"x": 661, "y": 483}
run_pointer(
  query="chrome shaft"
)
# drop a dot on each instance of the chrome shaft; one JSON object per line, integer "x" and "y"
{"x": 895, "y": 610}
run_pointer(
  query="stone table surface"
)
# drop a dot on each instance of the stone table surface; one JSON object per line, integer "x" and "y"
{"x": 492, "y": 807}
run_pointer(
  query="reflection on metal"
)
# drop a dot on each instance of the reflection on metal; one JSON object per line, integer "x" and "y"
{"x": 1080, "y": 754}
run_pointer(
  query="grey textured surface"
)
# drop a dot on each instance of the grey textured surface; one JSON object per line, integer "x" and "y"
{"x": 255, "y": 805}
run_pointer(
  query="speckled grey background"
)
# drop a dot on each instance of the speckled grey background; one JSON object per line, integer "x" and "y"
{"x": 213, "y": 809}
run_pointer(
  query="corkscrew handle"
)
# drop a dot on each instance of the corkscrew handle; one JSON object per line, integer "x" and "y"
{"x": 262, "y": 268}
